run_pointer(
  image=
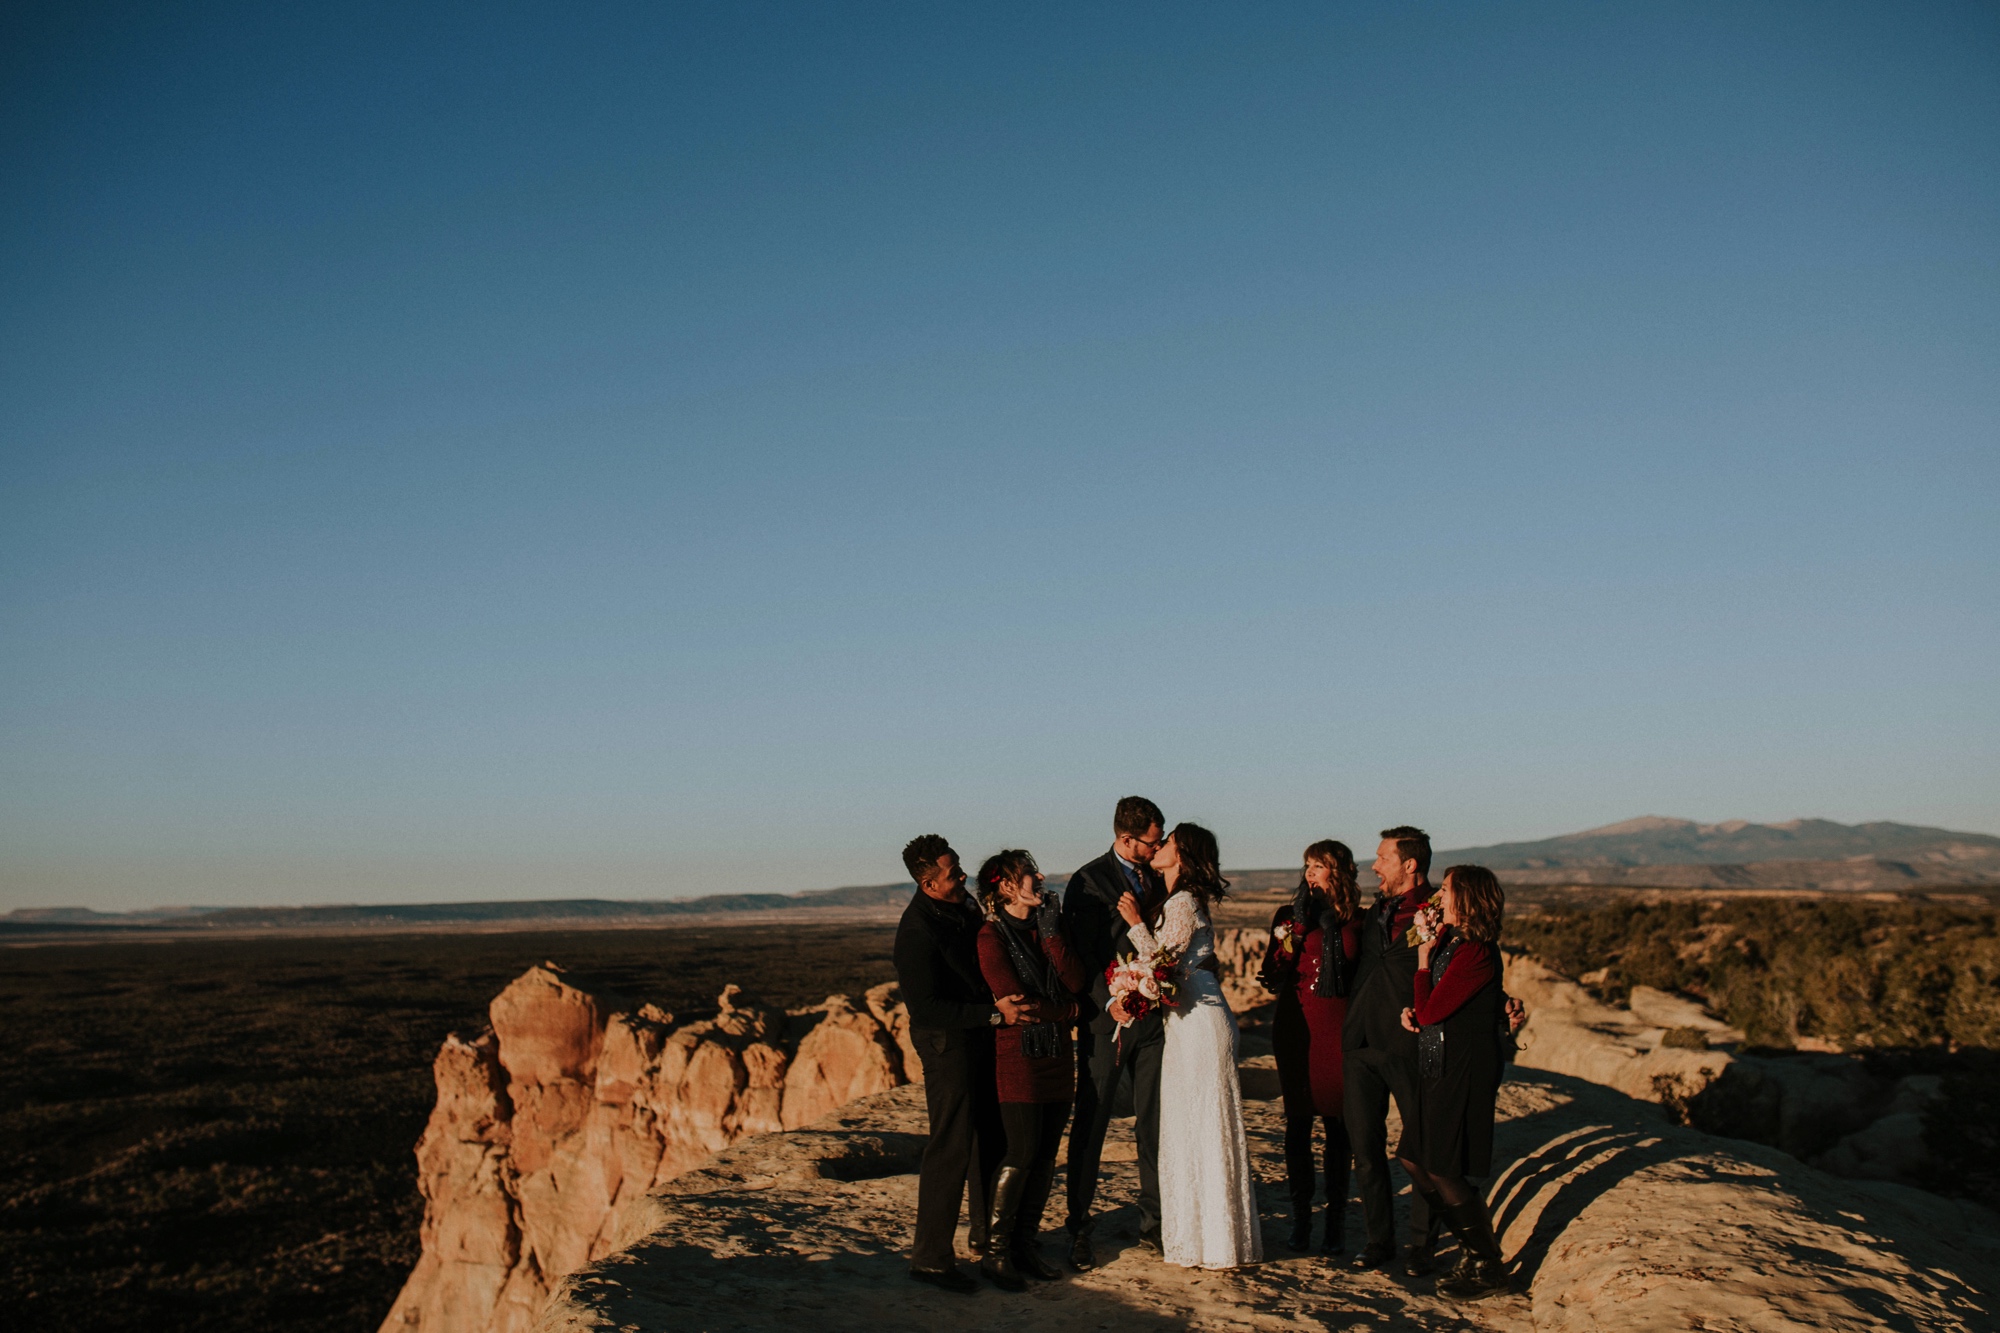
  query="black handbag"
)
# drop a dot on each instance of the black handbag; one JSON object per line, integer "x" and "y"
{"x": 1430, "y": 1053}
{"x": 1039, "y": 1041}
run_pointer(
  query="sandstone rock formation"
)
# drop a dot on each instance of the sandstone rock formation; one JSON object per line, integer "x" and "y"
{"x": 592, "y": 1169}
{"x": 553, "y": 1125}
{"x": 1613, "y": 1217}
{"x": 1822, "y": 1108}
{"x": 1240, "y": 953}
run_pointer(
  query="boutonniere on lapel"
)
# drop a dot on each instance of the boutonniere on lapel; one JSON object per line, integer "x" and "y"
{"x": 1425, "y": 926}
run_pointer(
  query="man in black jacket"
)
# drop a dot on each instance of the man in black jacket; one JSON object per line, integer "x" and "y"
{"x": 1097, "y": 934}
{"x": 1381, "y": 1056}
{"x": 952, "y": 1017}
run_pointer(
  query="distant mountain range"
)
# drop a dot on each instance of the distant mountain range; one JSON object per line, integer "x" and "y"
{"x": 1649, "y": 852}
{"x": 595, "y": 911}
{"x": 1800, "y": 853}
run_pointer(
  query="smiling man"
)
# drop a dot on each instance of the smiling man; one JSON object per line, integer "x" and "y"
{"x": 952, "y": 1018}
{"x": 1381, "y": 1056}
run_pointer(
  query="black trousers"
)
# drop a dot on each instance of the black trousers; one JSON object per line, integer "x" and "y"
{"x": 1300, "y": 1178}
{"x": 1100, "y": 1069}
{"x": 1373, "y": 1077}
{"x": 1034, "y": 1132}
{"x": 965, "y": 1143}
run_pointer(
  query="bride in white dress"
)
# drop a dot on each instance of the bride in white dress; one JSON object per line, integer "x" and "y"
{"x": 1208, "y": 1196}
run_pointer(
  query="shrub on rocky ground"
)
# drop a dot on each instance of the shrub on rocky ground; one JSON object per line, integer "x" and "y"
{"x": 1912, "y": 988}
{"x": 219, "y": 1135}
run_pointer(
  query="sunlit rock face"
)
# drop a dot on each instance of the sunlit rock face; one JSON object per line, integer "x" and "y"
{"x": 550, "y": 1126}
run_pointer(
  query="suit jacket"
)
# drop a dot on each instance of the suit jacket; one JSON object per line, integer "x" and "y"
{"x": 1097, "y": 934}
{"x": 937, "y": 966}
{"x": 1385, "y": 977}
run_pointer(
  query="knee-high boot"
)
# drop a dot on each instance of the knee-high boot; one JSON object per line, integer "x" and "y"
{"x": 1028, "y": 1226}
{"x": 1423, "y": 1249}
{"x": 998, "y": 1264}
{"x": 1483, "y": 1272}
{"x": 1335, "y": 1241}
{"x": 1300, "y": 1177}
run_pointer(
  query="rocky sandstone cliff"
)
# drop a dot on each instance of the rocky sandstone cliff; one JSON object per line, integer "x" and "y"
{"x": 553, "y": 1124}
{"x": 594, "y": 1166}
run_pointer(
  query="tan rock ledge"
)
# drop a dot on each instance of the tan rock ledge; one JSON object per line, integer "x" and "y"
{"x": 1615, "y": 1219}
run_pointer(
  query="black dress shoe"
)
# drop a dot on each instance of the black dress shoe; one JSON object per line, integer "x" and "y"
{"x": 1028, "y": 1260}
{"x": 1082, "y": 1256}
{"x": 1374, "y": 1254}
{"x": 1150, "y": 1238}
{"x": 953, "y": 1279}
{"x": 1301, "y": 1238}
{"x": 1422, "y": 1260}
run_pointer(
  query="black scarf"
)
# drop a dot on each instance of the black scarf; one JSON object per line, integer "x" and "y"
{"x": 1309, "y": 905}
{"x": 1024, "y": 950}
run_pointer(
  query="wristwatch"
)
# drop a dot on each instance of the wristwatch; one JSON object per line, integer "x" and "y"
{"x": 994, "y": 1019}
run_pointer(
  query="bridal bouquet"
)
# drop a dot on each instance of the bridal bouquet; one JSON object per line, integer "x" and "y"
{"x": 1143, "y": 983}
{"x": 1424, "y": 929}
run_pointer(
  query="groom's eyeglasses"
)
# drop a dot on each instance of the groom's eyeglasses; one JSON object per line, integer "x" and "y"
{"x": 1151, "y": 844}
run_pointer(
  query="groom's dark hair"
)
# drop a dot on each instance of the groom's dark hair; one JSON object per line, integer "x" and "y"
{"x": 1135, "y": 815}
{"x": 1412, "y": 844}
{"x": 922, "y": 855}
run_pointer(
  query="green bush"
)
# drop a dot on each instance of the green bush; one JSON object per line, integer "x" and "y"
{"x": 1861, "y": 974}
{"x": 1910, "y": 987}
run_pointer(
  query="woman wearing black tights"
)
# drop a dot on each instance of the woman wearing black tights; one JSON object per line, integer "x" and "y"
{"x": 1458, "y": 1016}
{"x": 1309, "y": 965}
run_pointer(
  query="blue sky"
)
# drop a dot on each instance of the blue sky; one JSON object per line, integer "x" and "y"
{"x": 489, "y": 452}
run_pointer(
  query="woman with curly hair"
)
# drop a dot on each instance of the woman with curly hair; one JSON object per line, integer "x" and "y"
{"x": 1459, "y": 1015}
{"x": 1208, "y": 1198}
{"x": 1022, "y": 952}
{"x": 1315, "y": 940}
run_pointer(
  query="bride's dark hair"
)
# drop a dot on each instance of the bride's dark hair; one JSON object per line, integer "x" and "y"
{"x": 1201, "y": 864}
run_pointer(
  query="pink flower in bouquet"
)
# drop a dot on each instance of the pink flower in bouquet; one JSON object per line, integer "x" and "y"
{"x": 1428, "y": 923}
{"x": 1143, "y": 983}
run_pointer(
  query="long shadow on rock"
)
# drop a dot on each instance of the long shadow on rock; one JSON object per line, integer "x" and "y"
{"x": 1580, "y": 1144}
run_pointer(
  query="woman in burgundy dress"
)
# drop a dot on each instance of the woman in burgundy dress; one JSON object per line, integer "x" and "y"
{"x": 1022, "y": 950}
{"x": 1314, "y": 943}
{"x": 1459, "y": 1016}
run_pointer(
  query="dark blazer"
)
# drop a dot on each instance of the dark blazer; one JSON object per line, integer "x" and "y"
{"x": 1385, "y": 980}
{"x": 937, "y": 966}
{"x": 1097, "y": 934}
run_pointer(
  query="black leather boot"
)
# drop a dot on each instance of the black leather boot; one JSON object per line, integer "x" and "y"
{"x": 1423, "y": 1250}
{"x": 1335, "y": 1241}
{"x": 1301, "y": 1238}
{"x": 998, "y": 1264}
{"x": 1485, "y": 1272}
{"x": 1028, "y": 1226}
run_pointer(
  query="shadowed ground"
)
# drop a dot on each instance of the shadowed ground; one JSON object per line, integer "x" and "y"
{"x": 1606, "y": 1208}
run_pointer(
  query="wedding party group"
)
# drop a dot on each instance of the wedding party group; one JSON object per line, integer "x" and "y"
{"x": 1032, "y": 1016}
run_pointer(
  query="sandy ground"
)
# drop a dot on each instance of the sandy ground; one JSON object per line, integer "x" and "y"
{"x": 771, "y": 1237}
{"x": 1611, "y": 1216}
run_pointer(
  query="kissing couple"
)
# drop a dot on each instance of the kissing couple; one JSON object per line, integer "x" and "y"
{"x": 1149, "y": 897}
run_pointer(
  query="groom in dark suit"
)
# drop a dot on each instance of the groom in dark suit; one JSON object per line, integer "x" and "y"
{"x": 1097, "y": 934}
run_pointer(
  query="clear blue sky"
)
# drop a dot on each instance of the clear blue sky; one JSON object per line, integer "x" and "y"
{"x": 501, "y": 451}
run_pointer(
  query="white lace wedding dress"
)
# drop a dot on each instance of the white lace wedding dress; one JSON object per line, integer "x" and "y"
{"x": 1208, "y": 1197}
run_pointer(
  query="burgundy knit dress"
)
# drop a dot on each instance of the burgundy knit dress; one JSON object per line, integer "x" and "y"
{"x": 1305, "y": 1030}
{"x": 1023, "y": 1080}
